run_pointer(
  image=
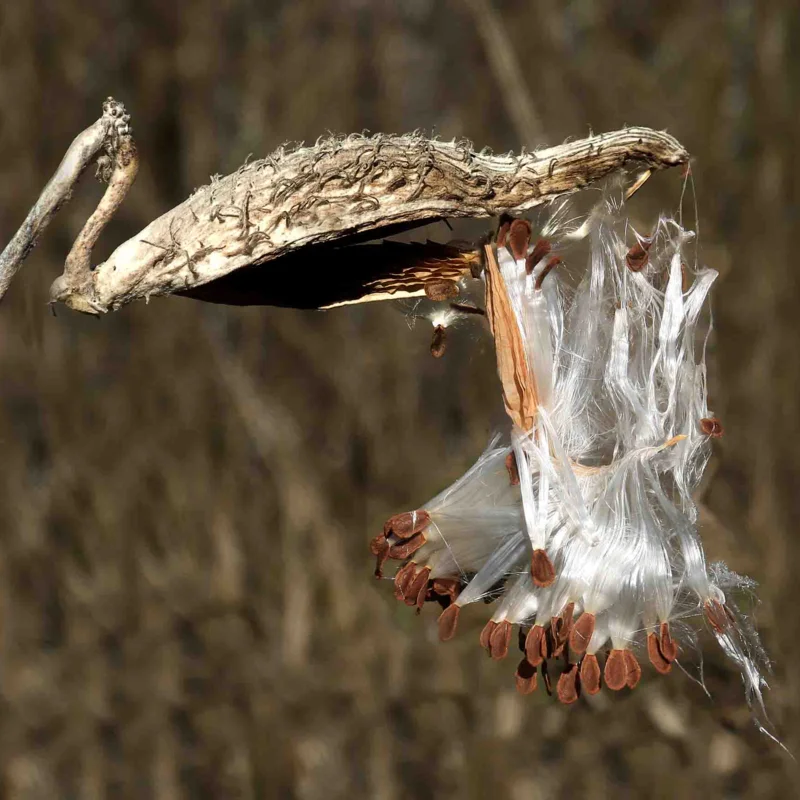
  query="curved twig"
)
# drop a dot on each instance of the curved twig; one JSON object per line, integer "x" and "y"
{"x": 108, "y": 131}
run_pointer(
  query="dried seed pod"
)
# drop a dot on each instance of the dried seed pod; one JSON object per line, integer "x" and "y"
{"x": 711, "y": 426}
{"x": 540, "y": 250}
{"x": 581, "y": 633}
{"x": 519, "y": 237}
{"x": 634, "y": 670}
{"x": 567, "y": 689}
{"x": 536, "y": 645}
{"x": 500, "y": 640}
{"x": 666, "y": 644}
{"x": 405, "y": 525}
{"x": 439, "y": 341}
{"x": 590, "y": 674}
{"x": 542, "y": 570}
{"x": 615, "y": 674}
{"x": 525, "y": 677}
{"x": 513, "y": 470}
{"x": 657, "y": 659}
{"x": 637, "y": 257}
{"x": 553, "y": 262}
{"x": 440, "y": 289}
{"x": 448, "y": 622}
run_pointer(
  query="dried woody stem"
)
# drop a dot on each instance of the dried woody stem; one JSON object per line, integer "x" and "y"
{"x": 342, "y": 187}
{"x": 111, "y": 132}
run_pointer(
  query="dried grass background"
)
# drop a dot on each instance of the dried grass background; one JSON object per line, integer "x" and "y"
{"x": 187, "y": 492}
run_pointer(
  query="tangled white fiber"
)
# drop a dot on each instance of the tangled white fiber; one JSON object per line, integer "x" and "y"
{"x": 584, "y": 530}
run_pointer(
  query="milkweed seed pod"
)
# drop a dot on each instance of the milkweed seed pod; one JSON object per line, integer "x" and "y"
{"x": 585, "y": 530}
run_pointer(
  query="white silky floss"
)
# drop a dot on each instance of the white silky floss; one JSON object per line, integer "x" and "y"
{"x": 606, "y": 476}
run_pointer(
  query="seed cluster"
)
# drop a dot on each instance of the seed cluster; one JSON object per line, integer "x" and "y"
{"x": 583, "y": 532}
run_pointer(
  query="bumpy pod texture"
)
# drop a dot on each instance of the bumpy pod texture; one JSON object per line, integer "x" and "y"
{"x": 584, "y": 530}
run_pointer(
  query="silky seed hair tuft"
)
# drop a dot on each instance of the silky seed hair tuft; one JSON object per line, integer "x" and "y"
{"x": 583, "y": 530}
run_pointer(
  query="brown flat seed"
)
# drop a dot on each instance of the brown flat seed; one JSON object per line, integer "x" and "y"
{"x": 407, "y": 524}
{"x": 711, "y": 426}
{"x": 513, "y": 470}
{"x": 666, "y": 644}
{"x": 567, "y": 688}
{"x": 380, "y": 561}
{"x": 378, "y": 544}
{"x": 448, "y": 622}
{"x": 716, "y": 616}
{"x": 440, "y": 289}
{"x": 415, "y": 595}
{"x": 616, "y": 672}
{"x": 500, "y": 640}
{"x": 379, "y": 547}
{"x": 403, "y": 579}
{"x": 561, "y": 627}
{"x": 519, "y": 237}
{"x": 423, "y": 594}
{"x": 542, "y": 570}
{"x": 540, "y": 250}
{"x": 526, "y": 677}
{"x": 439, "y": 341}
{"x": 486, "y": 634}
{"x": 552, "y": 633}
{"x": 536, "y": 645}
{"x": 581, "y": 633}
{"x": 448, "y": 587}
{"x": 657, "y": 659}
{"x": 634, "y": 670}
{"x": 590, "y": 674}
{"x": 502, "y": 231}
{"x": 388, "y": 525}
{"x": 637, "y": 257}
{"x": 407, "y": 548}
{"x": 553, "y": 262}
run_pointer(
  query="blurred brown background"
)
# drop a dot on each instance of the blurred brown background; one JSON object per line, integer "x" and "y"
{"x": 187, "y": 492}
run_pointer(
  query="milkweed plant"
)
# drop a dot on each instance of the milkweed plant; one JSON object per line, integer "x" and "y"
{"x": 580, "y": 528}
